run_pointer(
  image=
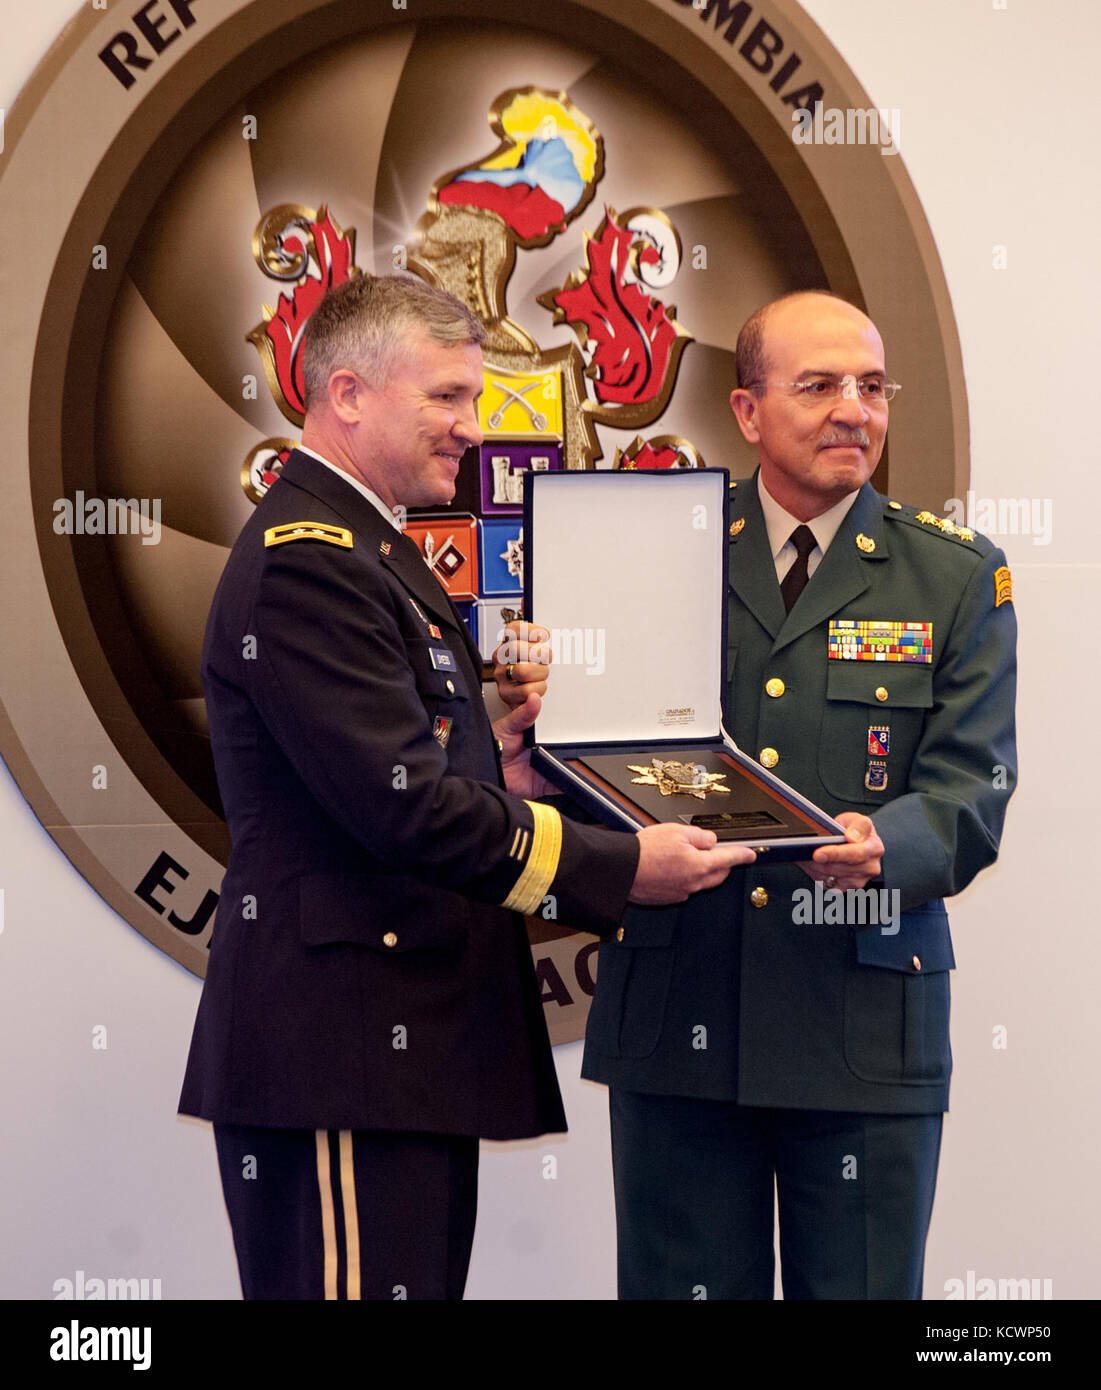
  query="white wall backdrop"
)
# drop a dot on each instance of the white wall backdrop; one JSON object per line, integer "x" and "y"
{"x": 97, "y": 1173}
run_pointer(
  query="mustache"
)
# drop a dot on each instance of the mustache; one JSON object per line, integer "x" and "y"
{"x": 857, "y": 437}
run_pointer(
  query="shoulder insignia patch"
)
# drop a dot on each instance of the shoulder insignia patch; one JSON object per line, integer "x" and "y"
{"x": 308, "y": 531}
{"x": 1003, "y": 586}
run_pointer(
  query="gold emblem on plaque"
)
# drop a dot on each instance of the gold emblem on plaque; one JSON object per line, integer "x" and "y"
{"x": 678, "y": 779}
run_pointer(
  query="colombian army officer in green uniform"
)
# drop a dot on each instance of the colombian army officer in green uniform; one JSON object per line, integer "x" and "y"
{"x": 759, "y": 1032}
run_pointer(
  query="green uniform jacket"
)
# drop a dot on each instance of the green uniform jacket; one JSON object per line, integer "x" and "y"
{"x": 735, "y": 995}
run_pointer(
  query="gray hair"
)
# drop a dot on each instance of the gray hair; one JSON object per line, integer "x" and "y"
{"x": 366, "y": 323}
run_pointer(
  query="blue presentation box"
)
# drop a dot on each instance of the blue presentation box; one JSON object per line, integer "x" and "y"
{"x": 628, "y": 571}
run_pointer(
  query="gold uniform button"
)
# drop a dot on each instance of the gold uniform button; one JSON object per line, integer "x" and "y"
{"x": 450, "y": 687}
{"x": 759, "y": 897}
{"x": 390, "y": 939}
{"x": 619, "y": 934}
{"x": 775, "y": 687}
{"x": 881, "y": 692}
{"x": 915, "y": 961}
{"x": 769, "y": 757}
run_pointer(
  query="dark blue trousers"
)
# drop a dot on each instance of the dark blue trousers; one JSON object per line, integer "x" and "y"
{"x": 349, "y": 1214}
{"x": 694, "y": 1185}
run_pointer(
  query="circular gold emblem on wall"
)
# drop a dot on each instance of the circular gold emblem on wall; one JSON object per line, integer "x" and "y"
{"x": 149, "y": 401}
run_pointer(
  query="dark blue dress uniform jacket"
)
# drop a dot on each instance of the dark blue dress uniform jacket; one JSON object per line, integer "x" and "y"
{"x": 832, "y": 1017}
{"x": 363, "y": 973}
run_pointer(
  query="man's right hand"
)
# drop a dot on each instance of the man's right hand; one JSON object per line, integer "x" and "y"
{"x": 676, "y": 861}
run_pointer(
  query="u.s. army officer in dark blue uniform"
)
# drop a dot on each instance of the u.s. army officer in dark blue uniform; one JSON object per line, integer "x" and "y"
{"x": 370, "y": 1007}
{"x": 747, "y": 1045}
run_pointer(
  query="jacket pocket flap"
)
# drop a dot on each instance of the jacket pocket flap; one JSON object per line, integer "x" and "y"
{"x": 858, "y": 681}
{"x": 389, "y": 914}
{"x": 645, "y": 927}
{"x": 436, "y": 669}
{"x": 922, "y": 945}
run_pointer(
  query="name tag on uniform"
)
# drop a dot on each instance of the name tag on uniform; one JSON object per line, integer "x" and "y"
{"x": 442, "y": 658}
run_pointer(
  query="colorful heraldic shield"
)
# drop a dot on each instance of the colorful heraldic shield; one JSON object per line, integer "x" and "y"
{"x": 539, "y": 409}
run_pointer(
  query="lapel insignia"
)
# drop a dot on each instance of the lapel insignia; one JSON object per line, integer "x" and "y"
{"x": 865, "y": 543}
{"x": 384, "y": 548}
{"x": 736, "y": 527}
{"x": 433, "y": 631}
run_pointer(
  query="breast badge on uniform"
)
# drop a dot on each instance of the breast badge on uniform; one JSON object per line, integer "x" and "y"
{"x": 441, "y": 729}
{"x": 1003, "y": 586}
{"x": 875, "y": 779}
{"x": 879, "y": 740}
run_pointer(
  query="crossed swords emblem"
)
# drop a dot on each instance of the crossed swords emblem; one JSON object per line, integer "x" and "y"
{"x": 538, "y": 420}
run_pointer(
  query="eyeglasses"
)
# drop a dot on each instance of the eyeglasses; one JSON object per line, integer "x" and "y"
{"x": 822, "y": 390}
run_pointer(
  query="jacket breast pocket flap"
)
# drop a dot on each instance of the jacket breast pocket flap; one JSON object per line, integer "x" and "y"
{"x": 436, "y": 669}
{"x": 391, "y": 914}
{"x": 905, "y": 683}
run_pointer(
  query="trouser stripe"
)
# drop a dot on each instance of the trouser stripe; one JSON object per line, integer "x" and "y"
{"x": 328, "y": 1221}
{"x": 351, "y": 1216}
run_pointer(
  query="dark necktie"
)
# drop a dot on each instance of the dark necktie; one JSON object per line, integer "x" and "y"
{"x": 795, "y": 581}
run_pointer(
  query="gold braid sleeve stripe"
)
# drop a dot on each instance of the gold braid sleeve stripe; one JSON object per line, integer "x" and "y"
{"x": 538, "y": 873}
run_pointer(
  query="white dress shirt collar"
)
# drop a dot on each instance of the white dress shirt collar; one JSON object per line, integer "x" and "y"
{"x": 372, "y": 497}
{"x": 780, "y": 523}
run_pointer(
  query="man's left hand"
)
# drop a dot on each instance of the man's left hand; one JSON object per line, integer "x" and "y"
{"x": 522, "y": 663}
{"x": 520, "y": 779}
{"x": 850, "y": 865}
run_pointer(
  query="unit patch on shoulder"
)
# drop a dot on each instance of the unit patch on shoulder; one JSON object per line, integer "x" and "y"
{"x": 1003, "y": 586}
{"x": 308, "y": 531}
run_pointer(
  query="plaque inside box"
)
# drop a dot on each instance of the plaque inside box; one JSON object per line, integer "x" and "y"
{"x": 627, "y": 571}
{"x": 695, "y": 786}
